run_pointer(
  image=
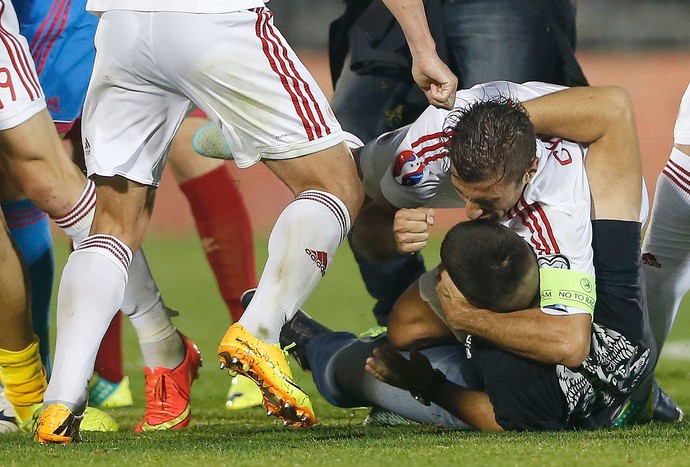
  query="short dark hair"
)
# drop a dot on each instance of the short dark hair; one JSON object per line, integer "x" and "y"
{"x": 488, "y": 263}
{"x": 492, "y": 138}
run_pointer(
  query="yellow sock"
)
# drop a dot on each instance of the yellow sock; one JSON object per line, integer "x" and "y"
{"x": 24, "y": 378}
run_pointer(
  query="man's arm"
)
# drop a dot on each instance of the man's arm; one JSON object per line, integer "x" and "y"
{"x": 372, "y": 232}
{"x": 530, "y": 333}
{"x": 412, "y": 322}
{"x": 411, "y": 228}
{"x": 602, "y": 117}
{"x": 427, "y": 385}
{"x": 431, "y": 74}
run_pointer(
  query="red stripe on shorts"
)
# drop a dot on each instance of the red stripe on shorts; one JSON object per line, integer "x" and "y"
{"x": 280, "y": 64}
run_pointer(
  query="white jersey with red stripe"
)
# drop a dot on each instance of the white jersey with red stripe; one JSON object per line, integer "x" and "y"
{"x": 21, "y": 95}
{"x": 153, "y": 68}
{"x": 409, "y": 167}
{"x": 554, "y": 212}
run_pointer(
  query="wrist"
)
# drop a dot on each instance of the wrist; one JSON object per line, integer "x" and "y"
{"x": 470, "y": 321}
{"x": 429, "y": 392}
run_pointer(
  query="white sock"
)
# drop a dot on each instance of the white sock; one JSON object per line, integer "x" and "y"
{"x": 160, "y": 343}
{"x": 666, "y": 247}
{"x": 300, "y": 249}
{"x": 141, "y": 293}
{"x": 76, "y": 223}
{"x": 91, "y": 290}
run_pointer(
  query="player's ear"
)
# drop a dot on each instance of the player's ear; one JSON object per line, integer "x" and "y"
{"x": 532, "y": 169}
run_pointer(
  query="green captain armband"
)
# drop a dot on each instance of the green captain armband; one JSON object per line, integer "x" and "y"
{"x": 567, "y": 287}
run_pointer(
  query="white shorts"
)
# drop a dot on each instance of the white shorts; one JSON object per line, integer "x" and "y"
{"x": 21, "y": 96}
{"x": 152, "y": 68}
{"x": 681, "y": 132}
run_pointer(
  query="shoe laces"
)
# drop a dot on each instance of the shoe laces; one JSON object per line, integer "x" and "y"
{"x": 159, "y": 391}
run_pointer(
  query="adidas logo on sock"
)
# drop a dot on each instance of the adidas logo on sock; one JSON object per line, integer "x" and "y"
{"x": 320, "y": 258}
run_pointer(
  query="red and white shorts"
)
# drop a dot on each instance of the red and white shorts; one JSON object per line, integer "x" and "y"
{"x": 153, "y": 68}
{"x": 21, "y": 96}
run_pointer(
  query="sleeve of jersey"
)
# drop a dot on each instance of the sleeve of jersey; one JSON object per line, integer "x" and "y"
{"x": 562, "y": 242}
{"x": 564, "y": 291}
{"x": 419, "y": 163}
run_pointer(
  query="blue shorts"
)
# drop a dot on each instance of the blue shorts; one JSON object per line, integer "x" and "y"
{"x": 60, "y": 36}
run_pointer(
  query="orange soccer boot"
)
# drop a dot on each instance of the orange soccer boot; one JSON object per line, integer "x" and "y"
{"x": 267, "y": 366}
{"x": 57, "y": 424}
{"x": 168, "y": 392}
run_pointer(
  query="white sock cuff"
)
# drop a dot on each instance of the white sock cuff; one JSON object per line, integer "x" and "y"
{"x": 677, "y": 170}
{"x": 334, "y": 204}
{"x": 81, "y": 215}
{"x": 110, "y": 247}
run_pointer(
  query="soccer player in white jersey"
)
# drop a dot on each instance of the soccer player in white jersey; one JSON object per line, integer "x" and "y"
{"x": 228, "y": 59}
{"x": 409, "y": 168}
{"x": 555, "y": 222}
{"x": 667, "y": 241}
{"x": 35, "y": 161}
{"x": 504, "y": 173}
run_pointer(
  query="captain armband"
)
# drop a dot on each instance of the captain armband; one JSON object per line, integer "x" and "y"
{"x": 567, "y": 287}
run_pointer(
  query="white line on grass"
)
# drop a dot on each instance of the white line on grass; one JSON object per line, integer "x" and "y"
{"x": 677, "y": 350}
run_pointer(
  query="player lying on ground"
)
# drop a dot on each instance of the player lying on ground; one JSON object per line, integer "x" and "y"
{"x": 527, "y": 194}
{"x": 468, "y": 382}
{"x": 411, "y": 168}
{"x": 599, "y": 124}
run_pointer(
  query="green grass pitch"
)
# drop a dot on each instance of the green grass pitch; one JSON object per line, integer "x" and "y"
{"x": 217, "y": 437}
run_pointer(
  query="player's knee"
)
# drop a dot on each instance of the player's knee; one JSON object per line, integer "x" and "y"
{"x": 351, "y": 192}
{"x": 38, "y": 189}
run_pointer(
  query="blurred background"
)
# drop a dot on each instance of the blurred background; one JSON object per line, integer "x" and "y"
{"x": 642, "y": 45}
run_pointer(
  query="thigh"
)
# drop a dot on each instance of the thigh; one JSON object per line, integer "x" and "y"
{"x": 331, "y": 170}
{"x": 131, "y": 114}
{"x": 502, "y": 40}
{"x": 241, "y": 72}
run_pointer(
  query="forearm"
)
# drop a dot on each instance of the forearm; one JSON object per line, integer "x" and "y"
{"x": 472, "y": 407}
{"x": 603, "y": 118}
{"x": 412, "y": 322}
{"x": 372, "y": 233}
{"x": 412, "y": 19}
{"x": 531, "y": 334}
{"x": 584, "y": 114}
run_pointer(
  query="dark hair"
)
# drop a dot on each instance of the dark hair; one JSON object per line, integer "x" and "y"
{"x": 493, "y": 138}
{"x": 488, "y": 263}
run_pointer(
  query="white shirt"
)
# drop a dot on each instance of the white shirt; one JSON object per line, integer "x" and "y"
{"x": 410, "y": 168}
